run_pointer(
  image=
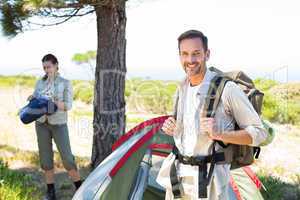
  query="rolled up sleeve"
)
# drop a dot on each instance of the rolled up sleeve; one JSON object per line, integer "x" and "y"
{"x": 68, "y": 95}
{"x": 243, "y": 112}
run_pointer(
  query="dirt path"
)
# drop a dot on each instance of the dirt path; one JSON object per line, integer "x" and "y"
{"x": 281, "y": 158}
{"x": 20, "y": 136}
{"x": 23, "y": 137}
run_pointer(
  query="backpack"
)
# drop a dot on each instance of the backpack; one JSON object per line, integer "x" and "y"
{"x": 237, "y": 155}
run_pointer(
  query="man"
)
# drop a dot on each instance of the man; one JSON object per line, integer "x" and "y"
{"x": 194, "y": 134}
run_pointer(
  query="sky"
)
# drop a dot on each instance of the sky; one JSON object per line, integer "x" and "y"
{"x": 259, "y": 37}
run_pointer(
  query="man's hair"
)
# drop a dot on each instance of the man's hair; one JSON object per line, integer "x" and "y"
{"x": 193, "y": 34}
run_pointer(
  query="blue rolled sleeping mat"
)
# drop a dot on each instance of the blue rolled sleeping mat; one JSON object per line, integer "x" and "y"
{"x": 37, "y": 107}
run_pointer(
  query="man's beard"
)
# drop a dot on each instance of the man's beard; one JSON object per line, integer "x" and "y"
{"x": 194, "y": 70}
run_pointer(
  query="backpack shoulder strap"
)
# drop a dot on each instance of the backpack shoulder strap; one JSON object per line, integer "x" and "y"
{"x": 214, "y": 94}
{"x": 177, "y": 188}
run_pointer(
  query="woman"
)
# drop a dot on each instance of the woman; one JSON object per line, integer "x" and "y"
{"x": 54, "y": 126}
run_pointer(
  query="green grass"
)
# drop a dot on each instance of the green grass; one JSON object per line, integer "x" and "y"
{"x": 32, "y": 157}
{"x": 20, "y": 80}
{"x": 135, "y": 120}
{"x": 82, "y": 113}
{"x": 83, "y": 90}
{"x": 15, "y": 185}
{"x": 26, "y": 183}
{"x": 281, "y": 101}
{"x": 278, "y": 189}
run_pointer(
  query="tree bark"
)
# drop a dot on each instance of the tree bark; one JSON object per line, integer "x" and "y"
{"x": 109, "y": 101}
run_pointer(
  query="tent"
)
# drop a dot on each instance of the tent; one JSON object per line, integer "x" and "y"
{"x": 129, "y": 172}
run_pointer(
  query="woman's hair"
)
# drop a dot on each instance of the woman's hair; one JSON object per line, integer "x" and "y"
{"x": 49, "y": 58}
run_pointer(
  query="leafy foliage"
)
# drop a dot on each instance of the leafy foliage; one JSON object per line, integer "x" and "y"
{"x": 17, "y": 16}
{"x": 281, "y": 101}
{"x": 15, "y": 185}
{"x": 12, "y": 15}
{"x": 278, "y": 189}
{"x": 87, "y": 57}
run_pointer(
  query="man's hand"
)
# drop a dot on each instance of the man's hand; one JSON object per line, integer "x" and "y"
{"x": 241, "y": 137}
{"x": 60, "y": 105}
{"x": 169, "y": 126}
{"x": 208, "y": 127}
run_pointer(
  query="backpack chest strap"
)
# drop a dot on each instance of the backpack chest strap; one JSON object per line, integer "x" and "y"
{"x": 200, "y": 161}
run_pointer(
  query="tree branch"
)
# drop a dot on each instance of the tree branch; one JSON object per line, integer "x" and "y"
{"x": 79, "y": 4}
{"x": 18, "y": 15}
{"x": 57, "y": 23}
{"x": 46, "y": 13}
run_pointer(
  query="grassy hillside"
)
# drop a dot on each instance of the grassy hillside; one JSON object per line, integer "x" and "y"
{"x": 281, "y": 101}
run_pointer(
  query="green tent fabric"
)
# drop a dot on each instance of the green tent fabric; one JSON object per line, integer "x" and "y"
{"x": 129, "y": 172}
{"x": 247, "y": 188}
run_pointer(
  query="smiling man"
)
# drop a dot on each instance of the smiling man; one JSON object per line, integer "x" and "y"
{"x": 194, "y": 134}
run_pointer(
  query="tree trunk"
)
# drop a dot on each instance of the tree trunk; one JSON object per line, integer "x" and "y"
{"x": 109, "y": 102}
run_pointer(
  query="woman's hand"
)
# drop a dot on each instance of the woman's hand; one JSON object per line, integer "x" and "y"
{"x": 60, "y": 105}
{"x": 169, "y": 126}
{"x": 30, "y": 97}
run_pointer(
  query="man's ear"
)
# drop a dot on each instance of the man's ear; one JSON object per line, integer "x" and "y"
{"x": 207, "y": 55}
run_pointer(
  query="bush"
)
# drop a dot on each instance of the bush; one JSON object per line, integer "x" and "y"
{"x": 281, "y": 101}
{"x": 83, "y": 91}
{"x": 278, "y": 189}
{"x": 270, "y": 108}
{"x": 151, "y": 96}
